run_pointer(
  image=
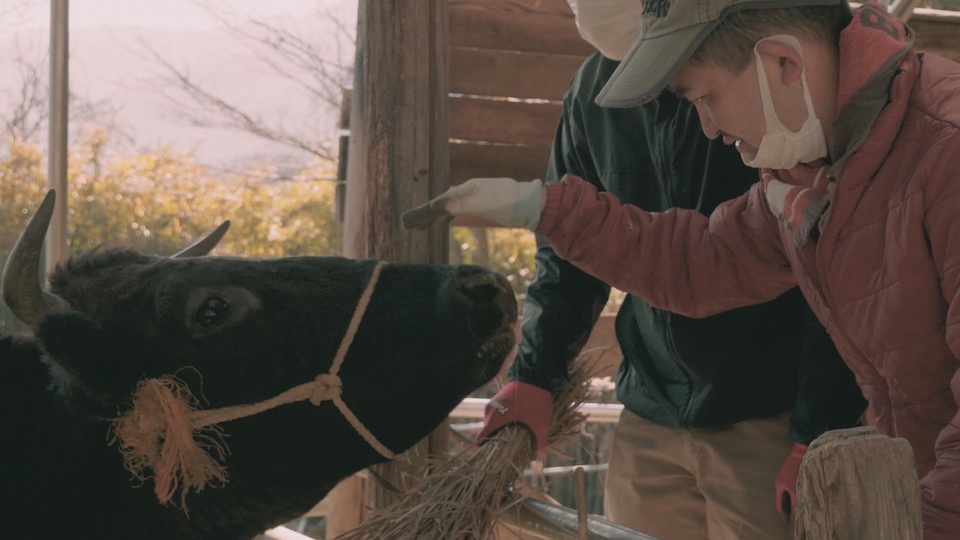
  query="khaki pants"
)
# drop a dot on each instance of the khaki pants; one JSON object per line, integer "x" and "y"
{"x": 683, "y": 484}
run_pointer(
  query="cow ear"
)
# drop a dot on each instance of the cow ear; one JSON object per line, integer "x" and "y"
{"x": 80, "y": 356}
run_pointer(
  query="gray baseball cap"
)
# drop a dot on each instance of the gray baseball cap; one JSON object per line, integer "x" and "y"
{"x": 671, "y": 31}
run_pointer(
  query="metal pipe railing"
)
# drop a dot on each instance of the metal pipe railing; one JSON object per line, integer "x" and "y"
{"x": 599, "y": 413}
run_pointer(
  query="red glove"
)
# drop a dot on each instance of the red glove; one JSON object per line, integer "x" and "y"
{"x": 519, "y": 403}
{"x": 786, "y": 482}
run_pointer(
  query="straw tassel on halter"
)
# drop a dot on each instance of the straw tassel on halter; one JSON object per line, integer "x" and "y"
{"x": 166, "y": 431}
{"x": 157, "y": 433}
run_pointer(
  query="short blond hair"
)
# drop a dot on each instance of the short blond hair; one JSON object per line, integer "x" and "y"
{"x": 730, "y": 45}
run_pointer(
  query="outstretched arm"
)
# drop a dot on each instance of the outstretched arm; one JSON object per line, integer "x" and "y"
{"x": 678, "y": 260}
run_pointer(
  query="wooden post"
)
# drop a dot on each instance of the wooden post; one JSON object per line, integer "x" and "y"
{"x": 399, "y": 147}
{"x": 398, "y": 158}
{"x": 55, "y": 248}
{"x": 856, "y": 483}
{"x": 346, "y": 504}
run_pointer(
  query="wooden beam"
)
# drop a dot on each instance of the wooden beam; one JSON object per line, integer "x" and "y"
{"x": 471, "y": 160}
{"x": 404, "y": 155}
{"x": 903, "y": 9}
{"x": 346, "y": 96}
{"x": 398, "y": 158}
{"x": 516, "y": 25}
{"x": 55, "y": 246}
{"x": 501, "y": 121}
{"x": 487, "y": 72}
{"x": 937, "y": 32}
{"x": 344, "y": 506}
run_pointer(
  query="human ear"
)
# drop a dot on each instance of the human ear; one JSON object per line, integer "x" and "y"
{"x": 782, "y": 62}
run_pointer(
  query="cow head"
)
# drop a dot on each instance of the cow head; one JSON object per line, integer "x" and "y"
{"x": 236, "y": 331}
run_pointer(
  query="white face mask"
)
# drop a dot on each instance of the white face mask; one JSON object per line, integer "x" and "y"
{"x": 781, "y": 148}
{"x": 612, "y": 26}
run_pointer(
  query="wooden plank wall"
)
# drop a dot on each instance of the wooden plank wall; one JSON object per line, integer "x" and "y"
{"x": 937, "y": 31}
{"x": 510, "y": 61}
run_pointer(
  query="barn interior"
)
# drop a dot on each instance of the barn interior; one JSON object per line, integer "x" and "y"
{"x": 444, "y": 91}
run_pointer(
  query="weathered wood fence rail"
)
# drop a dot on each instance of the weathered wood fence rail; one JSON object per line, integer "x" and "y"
{"x": 857, "y": 484}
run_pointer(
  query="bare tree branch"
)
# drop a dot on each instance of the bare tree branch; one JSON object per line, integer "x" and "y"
{"x": 318, "y": 70}
{"x": 217, "y": 112}
{"x": 30, "y": 108}
{"x": 26, "y": 118}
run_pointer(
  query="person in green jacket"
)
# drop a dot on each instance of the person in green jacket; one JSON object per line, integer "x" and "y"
{"x": 718, "y": 411}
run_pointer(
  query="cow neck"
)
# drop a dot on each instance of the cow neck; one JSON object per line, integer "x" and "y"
{"x": 165, "y": 415}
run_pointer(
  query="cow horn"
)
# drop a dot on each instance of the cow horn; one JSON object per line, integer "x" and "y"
{"x": 205, "y": 245}
{"x": 21, "y": 274}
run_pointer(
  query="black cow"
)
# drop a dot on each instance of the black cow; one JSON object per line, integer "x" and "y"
{"x": 233, "y": 332}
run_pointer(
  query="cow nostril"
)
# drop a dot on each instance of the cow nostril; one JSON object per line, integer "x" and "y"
{"x": 484, "y": 288}
{"x": 479, "y": 292}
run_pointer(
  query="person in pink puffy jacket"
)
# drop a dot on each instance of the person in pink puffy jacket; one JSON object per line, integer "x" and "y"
{"x": 857, "y": 140}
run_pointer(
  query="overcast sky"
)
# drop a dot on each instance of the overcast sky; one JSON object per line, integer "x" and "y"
{"x": 151, "y": 13}
{"x": 107, "y": 65}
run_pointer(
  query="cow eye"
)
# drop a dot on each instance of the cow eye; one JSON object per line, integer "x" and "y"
{"x": 211, "y": 309}
{"x": 211, "y": 312}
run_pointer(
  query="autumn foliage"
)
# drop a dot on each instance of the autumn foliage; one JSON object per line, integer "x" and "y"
{"x": 160, "y": 201}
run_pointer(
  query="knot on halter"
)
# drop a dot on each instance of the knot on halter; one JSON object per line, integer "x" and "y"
{"x": 167, "y": 436}
{"x": 325, "y": 387}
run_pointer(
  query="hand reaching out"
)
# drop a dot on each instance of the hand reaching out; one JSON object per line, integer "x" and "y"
{"x": 502, "y": 200}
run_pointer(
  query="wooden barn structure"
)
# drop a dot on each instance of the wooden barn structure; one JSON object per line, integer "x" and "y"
{"x": 447, "y": 90}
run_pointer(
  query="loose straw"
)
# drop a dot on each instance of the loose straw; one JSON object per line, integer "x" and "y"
{"x": 581, "y": 503}
{"x": 465, "y": 495}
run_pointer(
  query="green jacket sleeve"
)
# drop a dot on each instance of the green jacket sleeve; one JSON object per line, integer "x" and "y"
{"x": 562, "y": 303}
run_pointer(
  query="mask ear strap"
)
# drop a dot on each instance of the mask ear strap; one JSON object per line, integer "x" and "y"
{"x": 769, "y": 113}
{"x": 765, "y": 83}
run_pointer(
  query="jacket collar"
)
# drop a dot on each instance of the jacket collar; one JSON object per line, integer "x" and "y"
{"x": 872, "y": 48}
{"x": 877, "y": 72}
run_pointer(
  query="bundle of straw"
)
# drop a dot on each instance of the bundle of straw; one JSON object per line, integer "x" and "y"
{"x": 463, "y": 497}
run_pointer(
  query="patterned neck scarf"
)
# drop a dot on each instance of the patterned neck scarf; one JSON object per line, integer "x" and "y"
{"x": 871, "y": 48}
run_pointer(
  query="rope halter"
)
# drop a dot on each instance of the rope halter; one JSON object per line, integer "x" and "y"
{"x": 167, "y": 432}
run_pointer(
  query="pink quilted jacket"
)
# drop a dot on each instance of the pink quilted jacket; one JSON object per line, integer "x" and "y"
{"x": 883, "y": 276}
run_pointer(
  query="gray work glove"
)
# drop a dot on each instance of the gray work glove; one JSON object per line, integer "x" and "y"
{"x": 501, "y": 200}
